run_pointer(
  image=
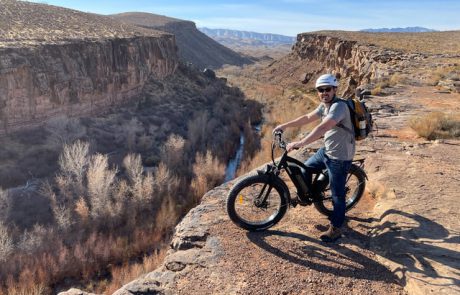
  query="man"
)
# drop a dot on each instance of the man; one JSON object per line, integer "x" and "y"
{"x": 338, "y": 150}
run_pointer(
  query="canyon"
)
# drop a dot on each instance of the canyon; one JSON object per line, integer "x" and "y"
{"x": 403, "y": 236}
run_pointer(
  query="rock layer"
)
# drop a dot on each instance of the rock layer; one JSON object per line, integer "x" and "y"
{"x": 314, "y": 54}
{"x": 78, "y": 77}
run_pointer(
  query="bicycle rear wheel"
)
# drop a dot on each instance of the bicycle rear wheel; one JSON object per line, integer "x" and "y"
{"x": 257, "y": 202}
{"x": 354, "y": 190}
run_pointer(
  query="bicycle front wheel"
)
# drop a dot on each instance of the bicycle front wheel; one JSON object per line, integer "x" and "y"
{"x": 354, "y": 190}
{"x": 257, "y": 202}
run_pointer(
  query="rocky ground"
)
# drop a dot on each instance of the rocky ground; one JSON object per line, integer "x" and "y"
{"x": 403, "y": 237}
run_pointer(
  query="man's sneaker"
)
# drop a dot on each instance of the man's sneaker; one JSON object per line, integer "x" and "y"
{"x": 332, "y": 234}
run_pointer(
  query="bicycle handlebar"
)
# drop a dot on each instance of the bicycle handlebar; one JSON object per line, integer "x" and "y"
{"x": 279, "y": 139}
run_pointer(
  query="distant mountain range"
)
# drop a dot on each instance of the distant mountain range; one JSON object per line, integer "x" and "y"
{"x": 399, "y": 30}
{"x": 263, "y": 38}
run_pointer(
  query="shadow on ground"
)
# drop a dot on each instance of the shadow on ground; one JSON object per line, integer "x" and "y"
{"x": 414, "y": 242}
{"x": 406, "y": 239}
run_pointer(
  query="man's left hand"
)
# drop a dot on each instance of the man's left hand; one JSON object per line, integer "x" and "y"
{"x": 295, "y": 145}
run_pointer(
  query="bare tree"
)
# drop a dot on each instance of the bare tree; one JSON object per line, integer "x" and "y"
{"x": 5, "y": 204}
{"x": 100, "y": 181}
{"x": 172, "y": 152}
{"x": 141, "y": 186}
{"x": 6, "y": 243}
{"x": 64, "y": 130}
{"x": 74, "y": 159}
{"x": 130, "y": 131}
{"x": 208, "y": 172}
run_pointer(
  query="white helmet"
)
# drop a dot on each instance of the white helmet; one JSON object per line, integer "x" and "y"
{"x": 326, "y": 80}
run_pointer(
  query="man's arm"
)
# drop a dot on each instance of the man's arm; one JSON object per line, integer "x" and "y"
{"x": 302, "y": 120}
{"x": 314, "y": 135}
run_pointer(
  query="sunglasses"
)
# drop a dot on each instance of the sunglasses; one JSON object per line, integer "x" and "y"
{"x": 321, "y": 90}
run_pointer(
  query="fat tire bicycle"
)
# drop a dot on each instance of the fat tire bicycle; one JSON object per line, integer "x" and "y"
{"x": 259, "y": 201}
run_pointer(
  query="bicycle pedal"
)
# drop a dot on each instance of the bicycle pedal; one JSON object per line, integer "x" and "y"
{"x": 301, "y": 202}
{"x": 305, "y": 203}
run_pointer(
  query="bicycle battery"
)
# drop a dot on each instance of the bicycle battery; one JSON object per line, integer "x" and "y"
{"x": 298, "y": 178}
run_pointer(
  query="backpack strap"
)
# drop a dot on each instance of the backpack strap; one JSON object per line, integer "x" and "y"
{"x": 352, "y": 132}
{"x": 346, "y": 128}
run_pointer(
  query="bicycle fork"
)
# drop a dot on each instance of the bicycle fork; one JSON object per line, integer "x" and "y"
{"x": 261, "y": 200}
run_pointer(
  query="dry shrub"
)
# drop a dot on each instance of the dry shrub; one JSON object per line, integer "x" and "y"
{"x": 129, "y": 132}
{"x": 167, "y": 216}
{"x": 434, "y": 77}
{"x": 100, "y": 181}
{"x": 5, "y": 204}
{"x": 378, "y": 88}
{"x": 263, "y": 156}
{"x": 172, "y": 152}
{"x": 6, "y": 243}
{"x": 145, "y": 142}
{"x": 436, "y": 125}
{"x": 141, "y": 186}
{"x": 165, "y": 182}
{"x": 122, "y": 275}
{"x": 82, "y": 210}
{"x": 398, "y": 78}
{"x": 73, "y": 159}
{"x": 64, "y": 130}
{"x": 63, "y": 217}
{"x": 208, "y": 172}
{"x": 34, "y": 241}
{"x": 31, "y": 288}
{"x": 73, "y": 162}
{"x": 196, "y": 131}
{"x": 134, "y": 169}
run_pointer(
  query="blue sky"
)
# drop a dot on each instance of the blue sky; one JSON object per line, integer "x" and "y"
{"x": 289, "y": 17}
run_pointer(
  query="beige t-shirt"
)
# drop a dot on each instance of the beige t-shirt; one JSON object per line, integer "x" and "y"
{"x": 339, "y": 143}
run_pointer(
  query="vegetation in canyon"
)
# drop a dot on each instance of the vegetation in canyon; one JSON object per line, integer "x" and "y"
{"x": 104, "y": 209}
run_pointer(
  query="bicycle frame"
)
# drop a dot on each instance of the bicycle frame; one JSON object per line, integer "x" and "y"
{"x": 294, "y": 169}
{"x": 257, "y": 202}
{"x": 308, "y": 191}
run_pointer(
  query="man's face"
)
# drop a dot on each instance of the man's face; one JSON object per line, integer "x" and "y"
{"x": 326, "y": 93}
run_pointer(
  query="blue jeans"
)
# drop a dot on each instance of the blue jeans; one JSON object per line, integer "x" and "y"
{"x": 337, "y": 171}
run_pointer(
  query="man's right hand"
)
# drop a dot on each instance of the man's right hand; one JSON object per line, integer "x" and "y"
{"x": 278, "y": 128}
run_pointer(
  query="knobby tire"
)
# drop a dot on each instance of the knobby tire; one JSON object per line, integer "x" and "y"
{"x": 242, "y": 209}
{"x": 355, "y": 186}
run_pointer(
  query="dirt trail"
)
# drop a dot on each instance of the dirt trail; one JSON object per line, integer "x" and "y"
{"x": 403, "y": 237}
{"x": 416, "y": 227}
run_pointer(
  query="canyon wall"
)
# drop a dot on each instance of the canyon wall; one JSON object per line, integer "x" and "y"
{"x": 314, "y": 54}
{"x": 78, "y": 77}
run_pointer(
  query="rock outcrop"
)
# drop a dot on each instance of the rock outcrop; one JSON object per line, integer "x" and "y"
{"x": 78, "y": 78}
{"x": 193, "y": 46}
{"x": 361, "y": 63}
{"x": 44, "y": 74}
